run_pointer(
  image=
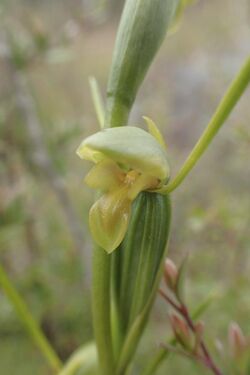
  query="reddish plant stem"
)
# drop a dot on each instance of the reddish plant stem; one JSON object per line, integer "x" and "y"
{"x": 183, "y": 311}
{"x": 169, "y": 300}
{"x": 209, "y": 361}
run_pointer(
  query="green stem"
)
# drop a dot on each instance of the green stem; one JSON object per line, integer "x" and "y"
{"x": 101, "y": 292}
{"x": 228, "y": 102}
{"x": 28, "y": 321}
{"x": 117, "y": 113}
{"x": 101, "y": 310}
{"x": 101, "y": 307}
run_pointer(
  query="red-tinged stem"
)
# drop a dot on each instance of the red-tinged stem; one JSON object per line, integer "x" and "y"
{"x": 209, "y": 361}
{"x": 183, "y": 311}
{"x": 170, "y": 301}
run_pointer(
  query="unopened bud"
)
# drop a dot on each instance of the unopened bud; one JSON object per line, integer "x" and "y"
{"x": 142, "y": 29}
{"x": 170, "y": 274}
{"x": 181, "y": 331}
{"x": 237, "y": 340}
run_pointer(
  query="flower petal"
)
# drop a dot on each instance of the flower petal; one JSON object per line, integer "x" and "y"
{"x": 129, "y": 146}
{"x": 89, "y": 153}
{"x": 155, "y": 132}
{"x": 105, "y": 175}
{"x": 143, "y": 182}
{"x": 109, "y": 217}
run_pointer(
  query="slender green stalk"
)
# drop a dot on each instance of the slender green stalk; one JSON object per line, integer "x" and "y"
{"x": 28, "y": 321}
{"x": 101, "y": 310}
{"x": 101, "y": 297}
{"x": 97, "y": 100}
{"x": 228, "y": 102}
{"x": 84, "y": 356}
{"x": 101, "y": 300}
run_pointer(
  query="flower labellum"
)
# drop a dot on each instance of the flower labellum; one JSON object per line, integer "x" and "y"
{"x": 127, "y": 160}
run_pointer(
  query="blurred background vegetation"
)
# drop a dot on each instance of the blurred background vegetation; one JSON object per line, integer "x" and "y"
{"x": 48, "y": 49}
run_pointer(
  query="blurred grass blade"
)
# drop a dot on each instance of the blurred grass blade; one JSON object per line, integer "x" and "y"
{"x": 29, "y": 323}
{"x": 180, "y": 283}
{"x": 204, "y": 305}
{"x": 84, "y": 359}
{"x": 97, "y": 100}
{"x": 59, "y": 55}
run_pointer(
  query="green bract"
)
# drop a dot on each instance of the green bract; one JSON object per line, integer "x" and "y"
{"x": 128, "y": 160}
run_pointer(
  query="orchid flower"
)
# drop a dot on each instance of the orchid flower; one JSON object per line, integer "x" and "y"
{"x": 127, "y": 160}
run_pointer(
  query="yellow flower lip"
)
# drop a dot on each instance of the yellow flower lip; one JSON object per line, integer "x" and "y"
{"x": 127, "y": 160}
{"x": 129, "y": 146}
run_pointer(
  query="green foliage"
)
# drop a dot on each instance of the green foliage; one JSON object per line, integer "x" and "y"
{"x": 212, "y": 211}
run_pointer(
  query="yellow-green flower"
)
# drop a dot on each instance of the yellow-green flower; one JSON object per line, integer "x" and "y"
{"x": 127, "y": 160}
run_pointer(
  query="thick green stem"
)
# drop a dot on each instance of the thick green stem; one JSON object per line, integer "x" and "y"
{"x": 28, "y": 321}
{"x": 101, "y": 294}
{"x": 228, "y": 102}
{"x": 117, "y": 112}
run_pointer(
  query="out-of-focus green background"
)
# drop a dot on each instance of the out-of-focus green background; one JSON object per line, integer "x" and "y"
{"x": 44, "y": 241}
